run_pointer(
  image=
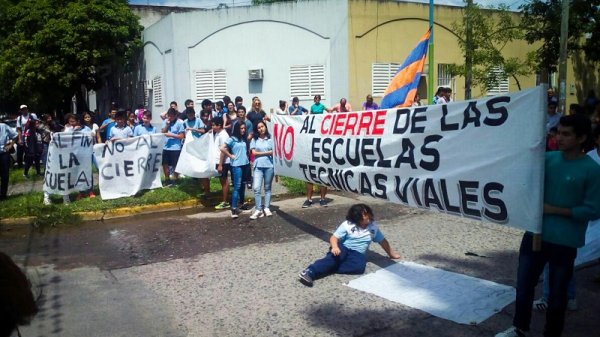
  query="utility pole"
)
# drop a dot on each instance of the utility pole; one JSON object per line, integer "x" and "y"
{"x": 562, "y": 62}
{"x": 430, "y": 92}
{"x": 468, "y": 49}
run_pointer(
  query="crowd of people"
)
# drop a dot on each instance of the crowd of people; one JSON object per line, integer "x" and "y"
{"x": 244, "y": 157}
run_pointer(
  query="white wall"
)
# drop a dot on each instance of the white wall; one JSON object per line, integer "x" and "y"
{"x": 271, "y": 37}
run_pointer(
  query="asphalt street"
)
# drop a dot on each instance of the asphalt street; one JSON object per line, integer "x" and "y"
{"x": 203, "y": 274}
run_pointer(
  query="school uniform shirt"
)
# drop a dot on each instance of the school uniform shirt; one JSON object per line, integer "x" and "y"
{"x": 237, "y": 147}
{"x": 6, "y": 134}
{"x": 177, "y": 127}
{"x": 221, "y": 138}
{"x": 142, "y": 129}
{"x": 352, "y": 236}
{"x": 262, "y": 145}
{"x": 195, "y": 124}
{"x": 123, "y": 132}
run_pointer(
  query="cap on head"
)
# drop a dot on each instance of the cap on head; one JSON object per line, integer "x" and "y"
{"x": 23, "y": 106}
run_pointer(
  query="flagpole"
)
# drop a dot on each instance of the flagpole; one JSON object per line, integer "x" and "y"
{"x": 430, "y": 52}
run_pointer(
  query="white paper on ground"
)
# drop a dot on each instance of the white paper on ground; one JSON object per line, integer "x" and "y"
{"x": 456, "y": 297}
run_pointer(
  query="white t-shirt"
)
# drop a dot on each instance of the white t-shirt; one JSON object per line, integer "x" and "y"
{"x": 21, "y": 120}
{"x": 220, "y": 139}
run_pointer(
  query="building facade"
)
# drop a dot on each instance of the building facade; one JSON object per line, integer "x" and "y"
{"x": 334, "y": 48}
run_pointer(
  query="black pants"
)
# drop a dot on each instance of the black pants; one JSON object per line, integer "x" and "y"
{"x": 4, "y": 169}
{"x": 20, "y": 154}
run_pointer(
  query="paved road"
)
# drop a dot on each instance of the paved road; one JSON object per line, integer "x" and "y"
{"x": 207, "y": 275}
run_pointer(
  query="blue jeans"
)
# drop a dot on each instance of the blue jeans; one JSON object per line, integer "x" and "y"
{"x": 239, "y": 189}
{"x": 531, "y": 264}
{"x": 348, "y": 262}
{"x": 262, "y": 174}
{"x": 546, "y": 284}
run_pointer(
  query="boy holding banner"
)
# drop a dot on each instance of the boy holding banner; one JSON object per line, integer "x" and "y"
{"x": 174, "y": 130}
{"x": 146, "y": 128}
{"x": 571, "y": 199}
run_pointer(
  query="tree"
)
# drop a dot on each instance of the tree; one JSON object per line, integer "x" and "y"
{"x": 541, "y": 21}
{"x": 52, "y": 49}
{"x": 483, "y": 34}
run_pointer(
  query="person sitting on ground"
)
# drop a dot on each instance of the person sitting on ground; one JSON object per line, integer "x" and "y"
{"x": 348, "y": 246}
{"x": 571, "y": 199}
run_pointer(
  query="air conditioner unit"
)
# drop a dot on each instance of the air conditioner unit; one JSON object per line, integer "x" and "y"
{"x": 255, "y": 74}
{"x": 148, "y": 84}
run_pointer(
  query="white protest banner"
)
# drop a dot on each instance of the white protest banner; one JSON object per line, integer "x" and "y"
{"x": 197, "y": 157}
{"x": 69, "y": 164}
{"x": 129, "y": 165}
{"x": 482, "y": 159}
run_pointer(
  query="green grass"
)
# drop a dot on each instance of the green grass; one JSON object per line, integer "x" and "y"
{"x": 31, "y": 204}
{"x": 294, "y": 186}
{"x": 16, "y": 175}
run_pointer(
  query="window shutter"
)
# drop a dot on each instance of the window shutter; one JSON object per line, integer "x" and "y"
{"x": 157, "y": 91}
{"x": 502, "y": 84}
{"x": 381, "y": 76}
{"x": 211, "y": 84}
{"x": 307, "y": 81}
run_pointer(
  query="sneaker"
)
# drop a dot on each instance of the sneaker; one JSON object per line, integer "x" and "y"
{"x": 305, "y": 278}
{"x": 168, "y": 183}
{"x": 512, "y": 332}
{"x": 540, "y": 304}
{"x": 323, "y": 202}
{"x": 307, "y": 203}
{"x": 245, "y": 207}
{"x": 267, "y": 212}
{"x": 257, "y": 214}
{"x": 222, "y": 205}
{"x": 572, "y": 305}
{"x": 235, "y": 213}
{"x": 66, "y": 200}
{"x": 92, "y": 195}
{"x": 47, "y": 201}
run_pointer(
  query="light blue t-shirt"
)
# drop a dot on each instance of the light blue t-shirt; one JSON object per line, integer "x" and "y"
{"x": 177, "y": 127}
{"x": 262, "y": 145}
{"x": 356, "y": 238}
{"x": 6, "y": 134}
{"x": 195, "y": 124}
{"x": 141, "y": 129}
{"x": 238, "y": 149}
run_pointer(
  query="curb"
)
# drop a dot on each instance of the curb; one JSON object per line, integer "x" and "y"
{"x": 114, "y": 213}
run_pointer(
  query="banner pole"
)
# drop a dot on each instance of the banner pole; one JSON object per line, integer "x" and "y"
{"x": 430, "y": 55}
